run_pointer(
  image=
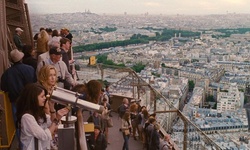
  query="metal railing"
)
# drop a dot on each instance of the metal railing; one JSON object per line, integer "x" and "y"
{"x": 126, "y": 82}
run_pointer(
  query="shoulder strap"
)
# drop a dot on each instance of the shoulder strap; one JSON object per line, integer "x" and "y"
{"x": 128, "y": 123}
{"x": 43, "y": 63}
{"x": 60, "y": 69}
{"x": 36, "y": 143}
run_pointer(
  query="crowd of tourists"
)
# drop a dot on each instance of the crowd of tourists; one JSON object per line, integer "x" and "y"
{"x": 138, "y": 123}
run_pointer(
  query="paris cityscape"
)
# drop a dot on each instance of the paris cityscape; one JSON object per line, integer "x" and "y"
{"x": 216, "y": 60}
{"x": 187, "y": 62}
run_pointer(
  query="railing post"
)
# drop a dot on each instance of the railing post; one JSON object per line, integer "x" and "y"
{"x": 133, "y": 81}
{"x": 81, "y": 138}
{"x": 154, "y": 101}
{"x": 138, "y": 89}
{"x": 185, "y": 130}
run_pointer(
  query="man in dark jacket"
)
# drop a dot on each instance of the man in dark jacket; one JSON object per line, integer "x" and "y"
{"x": 16, "y": 77}
{"x": 65, "y": 46}
{"x": 148, "y": 129}
{"x": 154, "y": 138}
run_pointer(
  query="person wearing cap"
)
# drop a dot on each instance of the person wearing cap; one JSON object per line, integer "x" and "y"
{"x": 61, "y": 68}
{"x": 16, "y": 77}
{"x": 17, "y": 39}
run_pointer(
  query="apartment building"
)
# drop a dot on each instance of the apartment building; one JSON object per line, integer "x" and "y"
{"x": 230, "y": 100}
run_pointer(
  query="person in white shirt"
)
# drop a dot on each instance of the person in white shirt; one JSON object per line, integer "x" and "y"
{"x": 61, "y": 68}
{"x": 37, "y": 127}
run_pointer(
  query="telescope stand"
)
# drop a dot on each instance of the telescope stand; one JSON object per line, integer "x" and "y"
{"x": 66, "y": 133}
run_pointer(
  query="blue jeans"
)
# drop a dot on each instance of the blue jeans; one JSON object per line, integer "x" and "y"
{"x": 125, "y": 144}
{"x": 18, "y": 130}
{"x": 13, "y": 106}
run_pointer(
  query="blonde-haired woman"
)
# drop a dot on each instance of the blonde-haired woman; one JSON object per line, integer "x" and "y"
{"x": 42, "y": 42}
{"x": 47, "y": 77}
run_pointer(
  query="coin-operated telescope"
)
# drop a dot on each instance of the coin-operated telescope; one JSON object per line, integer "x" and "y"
{"x": 66, "y": 133}
{"x": 65, "y": 97}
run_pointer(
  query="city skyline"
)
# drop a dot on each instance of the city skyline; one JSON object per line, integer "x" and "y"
{"x": 166, "y": 7}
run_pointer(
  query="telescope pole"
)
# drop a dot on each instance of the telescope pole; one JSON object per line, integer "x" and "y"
{"x": 81, "y": 138}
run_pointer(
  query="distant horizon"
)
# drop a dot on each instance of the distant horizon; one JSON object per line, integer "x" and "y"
{"x": 140, "y": 7}
{"x": 119, "y": 14}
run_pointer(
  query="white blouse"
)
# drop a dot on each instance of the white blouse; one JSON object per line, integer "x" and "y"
{"x": 30, "y": 129}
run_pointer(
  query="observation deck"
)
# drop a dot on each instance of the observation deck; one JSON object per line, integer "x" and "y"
{"x": 124, "y": 83}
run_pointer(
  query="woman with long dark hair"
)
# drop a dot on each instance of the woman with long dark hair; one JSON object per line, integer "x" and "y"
{"x": 36, "y": 126}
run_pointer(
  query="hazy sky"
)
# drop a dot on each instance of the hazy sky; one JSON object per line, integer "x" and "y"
{"x": 189, "y": 7}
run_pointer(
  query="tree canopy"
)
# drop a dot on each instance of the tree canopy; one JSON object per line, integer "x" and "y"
{"x": 190, "y": 85}
{"x": 103, "y": 59}
{"x": 135, "y": 39}
{"x": 138, "y": 67}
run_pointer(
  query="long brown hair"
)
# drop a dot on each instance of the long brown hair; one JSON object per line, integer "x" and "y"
{"x": 92, "y": 89}
{"x": 126, "y": 116}
{"x": 28, "y": 102}
{"x": 145, "y": 113}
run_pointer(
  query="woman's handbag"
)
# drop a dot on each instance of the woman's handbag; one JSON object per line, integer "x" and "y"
{"x": 126, "y": 132}
{"x": 110, "y": 122}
